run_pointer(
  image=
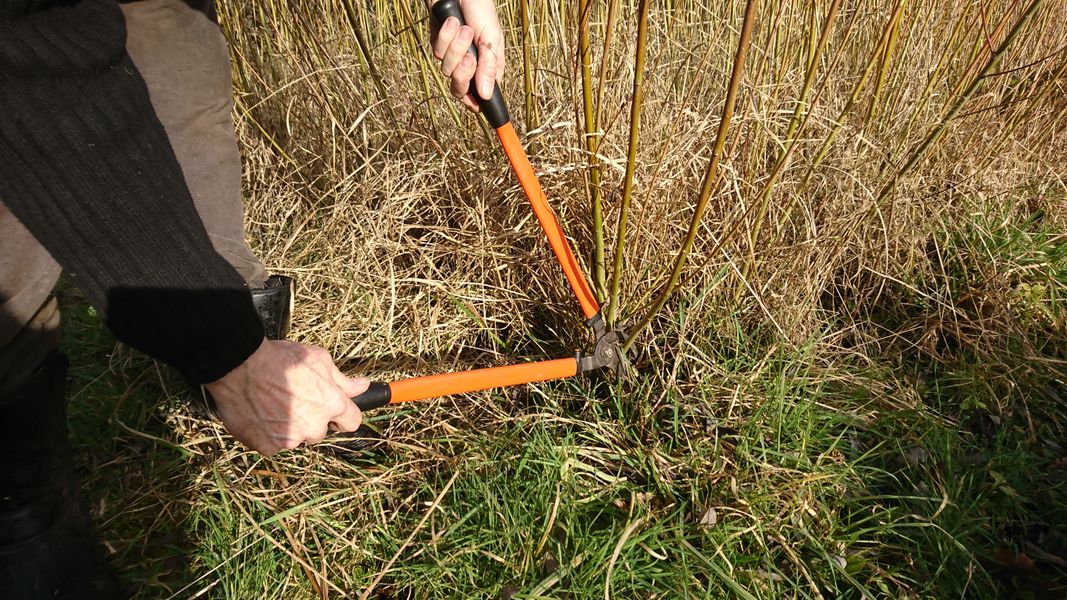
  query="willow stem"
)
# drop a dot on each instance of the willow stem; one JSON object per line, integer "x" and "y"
{"x": 529, "y": 107}
{"x": 364, "y": 50}
{"x": 932, "y": 138}
{"x": 631, "y": 161}
{"x": 712, "y": 174}
{"x": 592, "y": 145}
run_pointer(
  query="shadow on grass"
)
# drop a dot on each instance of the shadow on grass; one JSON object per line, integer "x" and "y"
{"x": 967, "y": 457}
{"x": 973, "y": 496}
{"x": 135, "y": 480}
{"x": 145, "y": 491}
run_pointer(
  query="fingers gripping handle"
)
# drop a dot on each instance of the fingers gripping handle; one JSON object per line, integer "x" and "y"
{"x": 494, "y": 109}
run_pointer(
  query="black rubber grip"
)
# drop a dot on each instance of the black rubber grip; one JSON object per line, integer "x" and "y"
{"x": 376, "y": 396}
{"x": 494, "y": 109}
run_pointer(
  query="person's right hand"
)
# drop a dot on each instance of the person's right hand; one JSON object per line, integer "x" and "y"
{"x": 451, "y": 41}
{"x": 285, "y": 394}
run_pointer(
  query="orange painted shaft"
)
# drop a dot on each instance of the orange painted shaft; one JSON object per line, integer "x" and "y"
{"x": 434, "y": 386}
{"x": 549, "y": 223}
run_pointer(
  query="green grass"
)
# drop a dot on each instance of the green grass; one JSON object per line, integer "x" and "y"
{"x": 909, "y": 470}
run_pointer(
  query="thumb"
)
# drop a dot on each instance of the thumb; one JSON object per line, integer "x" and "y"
{"x": 351, "y": 386}
{"x": 351, "y": 417}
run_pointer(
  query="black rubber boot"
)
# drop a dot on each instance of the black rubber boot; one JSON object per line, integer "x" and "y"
{"x": 274, "y": 303}
{"x": 47, "y": 548}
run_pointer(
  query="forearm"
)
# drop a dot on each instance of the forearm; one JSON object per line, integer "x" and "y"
{"x": 88, "y": 169}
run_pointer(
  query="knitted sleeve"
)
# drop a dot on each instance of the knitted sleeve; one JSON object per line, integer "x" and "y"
{"x": 86, "y": 166}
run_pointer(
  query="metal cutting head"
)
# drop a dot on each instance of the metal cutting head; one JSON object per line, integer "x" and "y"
{"x": 608, "y": 352}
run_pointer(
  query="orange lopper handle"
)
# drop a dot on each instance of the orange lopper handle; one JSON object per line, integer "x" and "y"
{"x": 536, "y": 195}
{"x": 434, "y": 386}
{"x": 496, "y": 112}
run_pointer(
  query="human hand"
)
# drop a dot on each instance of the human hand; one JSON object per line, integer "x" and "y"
{"x": 285, "y": 394}
{"x": 451, "y": 41}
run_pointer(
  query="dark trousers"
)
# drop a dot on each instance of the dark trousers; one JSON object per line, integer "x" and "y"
{"x": 184, "y": 61}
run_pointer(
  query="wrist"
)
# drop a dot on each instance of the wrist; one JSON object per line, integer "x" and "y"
{"x": 235, "y": 378}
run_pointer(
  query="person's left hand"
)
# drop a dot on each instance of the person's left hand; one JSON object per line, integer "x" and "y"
{"x": 451, "y": 41}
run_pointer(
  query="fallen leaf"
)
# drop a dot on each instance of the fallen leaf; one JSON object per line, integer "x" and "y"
{"x": 710, "y": 518}
{"x": 769, "y": 576}
{"x": 916, "y": 455}
{"x": 549, "y": 564}
{"x": 1017, "y": 562}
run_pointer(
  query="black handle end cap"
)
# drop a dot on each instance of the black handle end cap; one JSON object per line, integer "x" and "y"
{"x": 376, "y": 396}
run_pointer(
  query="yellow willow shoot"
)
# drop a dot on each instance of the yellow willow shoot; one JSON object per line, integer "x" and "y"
{"x": 924, "y": 146}
{"x": 631, "y": 161}
{"x": 711, "y": 176}
{"x": 592, "y": 143}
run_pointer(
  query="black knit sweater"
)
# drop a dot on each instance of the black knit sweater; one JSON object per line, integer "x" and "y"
{"x": 86, "y": 166}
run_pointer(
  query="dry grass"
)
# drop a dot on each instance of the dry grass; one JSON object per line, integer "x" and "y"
{"x": 440, "y": 224}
